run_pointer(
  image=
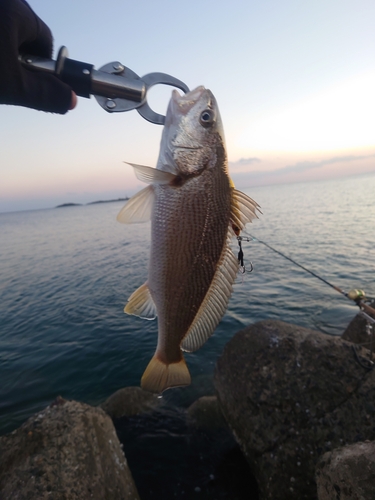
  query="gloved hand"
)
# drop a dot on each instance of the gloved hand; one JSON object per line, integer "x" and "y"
{"x": 21, "y": 31}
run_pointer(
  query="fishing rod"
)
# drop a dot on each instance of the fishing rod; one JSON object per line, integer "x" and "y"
{"x": 357, "y": 296}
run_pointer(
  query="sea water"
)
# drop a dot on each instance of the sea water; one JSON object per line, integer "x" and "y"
{"x": 66, "y": 273}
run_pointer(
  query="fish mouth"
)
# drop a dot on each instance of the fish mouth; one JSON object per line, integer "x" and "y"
{"x": 182, "y": 104}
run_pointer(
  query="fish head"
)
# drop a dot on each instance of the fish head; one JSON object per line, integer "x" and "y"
{"x": 193, "y": 135}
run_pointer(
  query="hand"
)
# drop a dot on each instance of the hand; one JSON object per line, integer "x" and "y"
{"x": 21, "y": 31}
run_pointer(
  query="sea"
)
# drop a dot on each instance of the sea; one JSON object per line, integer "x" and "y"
{"x": 66, "y": 274}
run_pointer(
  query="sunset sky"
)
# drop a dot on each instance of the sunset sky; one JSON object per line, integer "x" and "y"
{"x": 294, "y": 81}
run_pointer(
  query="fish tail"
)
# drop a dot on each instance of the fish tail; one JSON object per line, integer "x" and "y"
{"x": 160, "y": 376}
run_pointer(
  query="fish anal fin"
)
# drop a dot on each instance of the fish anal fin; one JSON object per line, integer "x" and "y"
{"x": 160, "y": 376}
{"x": 140, "y": 303}
{"x": 215, "y": 302}
{"x": 138, "y": 208}
{"x": 243, "y": 210}
{"x": 151, "y": 175}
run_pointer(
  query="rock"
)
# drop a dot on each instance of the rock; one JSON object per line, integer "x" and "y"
{"x": 356, "y": 331}
{"x": 290, "y": 394}
{"x": 130, "y": 401}
{"x": 347, "y": 473}
{"x": 205, "y": 413}
{"x": 68, "y": 451}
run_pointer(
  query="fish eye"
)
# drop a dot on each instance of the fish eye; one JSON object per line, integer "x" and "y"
{"x": 207, "y": 118}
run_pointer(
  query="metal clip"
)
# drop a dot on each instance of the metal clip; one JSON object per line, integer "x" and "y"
{"x": 115, "y": 87}
{"x": 117, "y": 105}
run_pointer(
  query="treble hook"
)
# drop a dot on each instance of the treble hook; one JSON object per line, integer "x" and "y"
{"x": 243, "y": 269}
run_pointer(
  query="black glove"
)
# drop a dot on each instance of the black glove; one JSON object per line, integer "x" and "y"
{"x": 21, "y": 31}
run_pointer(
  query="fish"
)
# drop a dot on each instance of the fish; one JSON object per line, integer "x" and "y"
{"x": 195, "y": 211}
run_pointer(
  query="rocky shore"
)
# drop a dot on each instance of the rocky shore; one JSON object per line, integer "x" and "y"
{"x": 289, "y": 395}
{"x": 70, "y": 450}
{"x": 299, "y": 403}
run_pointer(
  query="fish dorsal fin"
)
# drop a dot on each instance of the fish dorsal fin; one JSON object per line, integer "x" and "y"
{"x": 215, "y": 302}
{"x": 243, "y": 209}
{"x": 140, "y": 303}
{"x": 138, "y": 208}
{"x": 151, "y": 175}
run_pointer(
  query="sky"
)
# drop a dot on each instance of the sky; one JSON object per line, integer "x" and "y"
{"x": 294, "y": 82}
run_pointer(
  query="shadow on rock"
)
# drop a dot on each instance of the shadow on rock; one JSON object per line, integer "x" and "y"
{"x": 171, "y": 457}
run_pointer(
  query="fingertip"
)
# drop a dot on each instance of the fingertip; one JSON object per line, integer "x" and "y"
{"x": 73, "y": 102}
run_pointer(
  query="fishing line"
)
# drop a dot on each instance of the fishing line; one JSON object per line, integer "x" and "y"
{"x": 370, "y": 366}
{"x": 294, "y": 262}
{"x": 357, "y": 296}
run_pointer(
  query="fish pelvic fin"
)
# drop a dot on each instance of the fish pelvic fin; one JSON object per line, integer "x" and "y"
{"x": 151, "y": 175}
{"x": 160, "y": 376}
{"x": 243, "y": 210}
{"x": 141, "y": 303}
{"x": 138, "y": 208}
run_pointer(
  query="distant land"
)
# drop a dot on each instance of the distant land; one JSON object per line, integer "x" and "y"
{"x": 106, "y": 201}
{"x": 69, "y": 205}
{"x": 91, "y": 203}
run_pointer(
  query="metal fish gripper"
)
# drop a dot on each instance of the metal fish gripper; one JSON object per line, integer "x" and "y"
{"x": 115, "y": 87}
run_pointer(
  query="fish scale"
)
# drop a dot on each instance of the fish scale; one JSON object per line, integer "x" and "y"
{"x": 193, "y": 229}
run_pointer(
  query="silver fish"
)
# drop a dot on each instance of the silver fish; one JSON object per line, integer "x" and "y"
{"x": 194, "y": 211}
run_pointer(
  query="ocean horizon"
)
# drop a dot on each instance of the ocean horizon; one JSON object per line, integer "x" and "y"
{"x": 63, "y": 204}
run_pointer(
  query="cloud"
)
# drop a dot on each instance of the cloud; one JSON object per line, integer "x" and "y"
{"x": 242, "y": 163}
{"x": 246, "y": 161}
{"x": 303, "y": 166}
{"x": 283, "y": 174}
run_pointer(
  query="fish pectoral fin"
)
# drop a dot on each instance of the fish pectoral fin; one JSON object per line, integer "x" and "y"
{"x": 152, "y": 175}
{"x": 159, "y": 376}
{"x": 243, "y": 210}
{"x": 214, "y": 304}
{"x": 138, "y": 208}
{"x": 140, "y": 303}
